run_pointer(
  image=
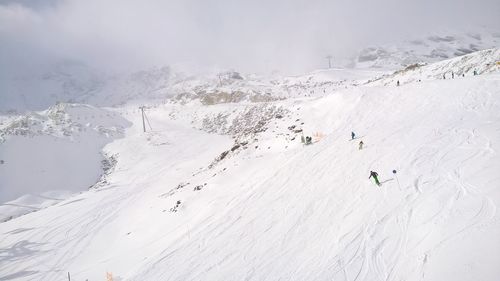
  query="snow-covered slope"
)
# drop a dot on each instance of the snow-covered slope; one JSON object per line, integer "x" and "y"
{"x": 434, "y": 47}
{"x": 255, "y": 204}
{"x": 209, "y": 89}
{"x": 47, "y": 156}
{"x": 482, "y": 62}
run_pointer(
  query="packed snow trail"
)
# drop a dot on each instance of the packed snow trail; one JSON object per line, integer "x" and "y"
{"x": 74, "y": 227}
{"x": 303, "y": 213}
{"x": 317, "y": 217}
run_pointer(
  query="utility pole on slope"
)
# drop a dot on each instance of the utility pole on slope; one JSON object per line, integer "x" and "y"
{"x": 144, "y": 118}
{"x": 329, "y": 58}
{"x": 142, "y": 114}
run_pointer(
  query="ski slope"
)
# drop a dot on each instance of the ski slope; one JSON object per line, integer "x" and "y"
{"x": 432, "y": 47}
{"x": 274, "y": 209}
{"x": 483, "y": 62}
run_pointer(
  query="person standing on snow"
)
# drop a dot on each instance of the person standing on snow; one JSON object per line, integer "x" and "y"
{"x": 375, "y": 177}
{"x": 397, "y": 84}
{"x": 361, "y": 145}
{"x": 353, "y": 135}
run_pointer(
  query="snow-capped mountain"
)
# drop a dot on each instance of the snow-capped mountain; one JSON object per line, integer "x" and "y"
{"x": 477, "y": 63}
{"x": 434, "y": 47}
{"x": 74, "y": 82}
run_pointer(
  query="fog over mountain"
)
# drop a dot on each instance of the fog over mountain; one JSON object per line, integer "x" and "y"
{"x": 290, "y": 36}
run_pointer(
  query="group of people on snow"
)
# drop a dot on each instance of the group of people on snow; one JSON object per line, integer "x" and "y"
{"x": 444, "y": 76}
{"x": 453, "y": 74}
{"x": 361, "y": 143}
{"x": 306, "y": 140}
{"x": 373, "y": 174}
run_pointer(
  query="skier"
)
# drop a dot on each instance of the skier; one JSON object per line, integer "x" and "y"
{"x": 308, "y": 140}
{"x": 352, "y": 135}
{"x": 452, "y": 75}
{"x": 397, "y": 84}
{"x": 444, "y": 76}
{"x": 475, "y": 72}
{"x": 361, "y": 145}
{"x": 375, "y": 176}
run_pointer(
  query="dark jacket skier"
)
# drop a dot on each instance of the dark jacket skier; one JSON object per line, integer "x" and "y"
{"x": 352, "y": 135}
{"x": 375, "y": 177}
{"x": 361, "y": 145}
{"x": 397, "y": 83}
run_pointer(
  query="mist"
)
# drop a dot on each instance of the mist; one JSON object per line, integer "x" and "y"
{"x": 245, "y": 35}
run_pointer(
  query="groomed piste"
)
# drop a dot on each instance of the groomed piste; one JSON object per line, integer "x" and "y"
{"x": 229, "y": 192}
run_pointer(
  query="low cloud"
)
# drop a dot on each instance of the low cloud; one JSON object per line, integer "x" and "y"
{"x": 255, "y": 35}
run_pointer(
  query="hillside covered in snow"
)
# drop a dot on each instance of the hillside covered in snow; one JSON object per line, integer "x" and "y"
{"x": 221, "y": 186}
{"x": 47, "y": 156}
{"x": 70, "y": 81}
{"x": 434, "y": 47}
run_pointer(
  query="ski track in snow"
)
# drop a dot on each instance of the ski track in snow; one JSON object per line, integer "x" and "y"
{"x": 309, "y": 213}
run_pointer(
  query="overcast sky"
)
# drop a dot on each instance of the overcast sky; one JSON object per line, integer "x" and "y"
{"x": 248, "y": 35}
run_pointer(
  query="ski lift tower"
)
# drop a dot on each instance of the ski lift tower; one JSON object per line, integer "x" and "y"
{"x": 144, "y": 119}
{"x": 329, "y": 58}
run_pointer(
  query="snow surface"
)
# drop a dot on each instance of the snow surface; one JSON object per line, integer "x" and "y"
{"x": 256, "y": 204}
{"x": 486, "y": 61}
{"x": 49, "y": 155}
{"x": 435, "y": 46}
